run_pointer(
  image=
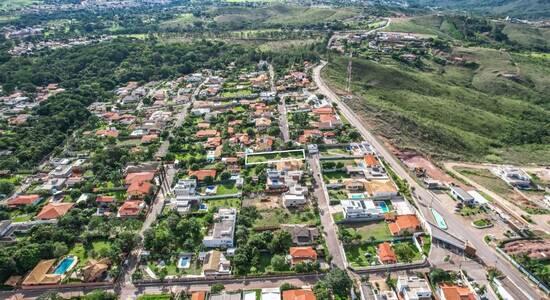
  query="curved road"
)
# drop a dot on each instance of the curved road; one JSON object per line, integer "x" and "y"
{"x": 486, "y": 253}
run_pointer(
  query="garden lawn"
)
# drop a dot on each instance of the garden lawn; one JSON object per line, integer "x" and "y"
{"x": 229, "y": 202}
{"x": 357, "y": 255}
{"x": 226, "y": 189}
{"x": 379, "y": 231}
{"x": 334, "y": 176}
{"x": 277, "y": 216}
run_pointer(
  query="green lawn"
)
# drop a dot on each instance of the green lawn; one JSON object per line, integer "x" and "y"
{"x": 338, "y": 194}
{"x": 333, "y": 152}
{"x": 229, "y": 202}
{"x": 225, "y": 189}
{"x": 339, "y": 216}
{"x": 334, "y": 176}
{"x": 361, "y": 255}
{"x": 155, "y": 297}
{"x": 379, "y": 230}
{"x": 21, "y": 217}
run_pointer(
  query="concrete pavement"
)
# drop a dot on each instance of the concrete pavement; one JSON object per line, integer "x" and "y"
{"x": 484, "y": 252}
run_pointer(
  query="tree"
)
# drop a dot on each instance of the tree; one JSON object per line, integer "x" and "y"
{"x": 339, "y": 282}
{"x": 279, "y": 263}
{"x": 287, "y": 286}
{"x": 404, "y": 251}
{"x": 6, "y": 187}
{"x": 282, "y": 240}
{"x": 162, "y": 274}
{"x": 225, "y": 176}
{"x": 439, "y": 275}
{"x": 217, "y": 288}
{"x": 60, "y": 249}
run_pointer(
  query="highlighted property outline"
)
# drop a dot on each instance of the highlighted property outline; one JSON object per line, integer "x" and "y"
{"x": 302, "y": 151}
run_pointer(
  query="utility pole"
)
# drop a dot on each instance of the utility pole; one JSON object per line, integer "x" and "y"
{"x": 348, "y": 86}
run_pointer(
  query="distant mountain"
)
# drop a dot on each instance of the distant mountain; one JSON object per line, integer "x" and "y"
{"x": 534, "y": 9}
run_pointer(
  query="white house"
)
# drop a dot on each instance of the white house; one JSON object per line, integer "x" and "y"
{"x": 290, "y": 200}
{"x": 414, "y": 288}
{"x": 223, "y": 231}
{"x": 360, "y": 210}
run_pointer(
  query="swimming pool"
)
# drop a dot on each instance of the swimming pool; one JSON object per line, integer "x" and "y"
{"x": 184, "y": 262}
{"x": 383, "y": 207}
{"x": 64, "y": 265}
{"x": 356, "y": 196}
{"x": 203, "y": 206}
{"x": 439, "y": 219}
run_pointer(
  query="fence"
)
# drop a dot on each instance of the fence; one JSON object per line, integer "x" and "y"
{"x": 531, "y": 277}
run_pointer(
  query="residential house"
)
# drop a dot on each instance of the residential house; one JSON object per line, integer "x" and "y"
{"x": 381, "y": 189}
{"x": 95, "y": 270}
{"x": 302, "y": 235}
{"x": 186, "y": 195}
{"x": 262, "y": 123}
{"x": 404, "y": 225}
{"x": 226, "y": 296}
{"x": 223, "y": 231}
{"x": 292, "y": 200}
{"x": 139, "y": 190}
{"x": 360, "y": 210}
{"x": 24, "y": 200}
{"x": 301, "y": 254}
{"x": 298, "y": 295}
{"x": 385, "y": 254}
{"x": 107, "y": 133}
{"x": 198, "y": 295}
{"x": 455, "y": 292}
{"x": 462, "y": 196}
{"x": 206, "y": 133}
{"x": 355, "y": 185}
{"x": 414, "y": 288}
{"x": 271, "y": 294}
{"x": 40, "y": 274}
{"x": 53, "y": 211}
{"x": 329, "y": 121}
{"x": 514, "y": 176}
{"x": 215, "y": 263}
{"x": 130, "y": 208}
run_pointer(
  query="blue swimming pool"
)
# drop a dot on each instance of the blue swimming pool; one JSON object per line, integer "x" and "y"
{"x": 184, "y": 262}
{"x": 203, "y": 206}
{"x": 383, "y": 207}
{"x": 356, "y": 196}
{"x": 439, "y": 220}
{"x": 64, "y": 265}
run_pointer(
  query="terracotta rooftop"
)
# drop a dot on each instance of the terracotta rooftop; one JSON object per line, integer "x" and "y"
{"x": 386, "y": 254}
{"x": 54, "y": 211}
{"x": 198, "y": 295}
{"x": 21, "y": 200}
{"x": 404, "y": 222}
{"x": 139, "y": 188}
{"x": 105, "y": 199}
{"x": 39, "y": 275}
{"x": 298, "y": 295}
{"x": 139, "y": 177}
{"x": 206, "y": 133}
{"x": 303, "y": 252}
{"x": 130, "y": 208}
{"x": 454, "y": 292}
{"x": 371, "y": 160}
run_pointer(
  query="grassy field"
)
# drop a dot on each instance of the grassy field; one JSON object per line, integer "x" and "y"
{"x": 7, "y": 5}
{"x": 181, "y": 21}
{"x": 279, "y": 14}
{"x": 455, "y": 112}
{"x": 378, "y": 231}
{"x": 274, "y": 156}
{"x": 278, "y": 216}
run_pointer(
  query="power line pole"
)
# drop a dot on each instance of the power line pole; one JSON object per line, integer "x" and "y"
{"x": 348, "y": 86}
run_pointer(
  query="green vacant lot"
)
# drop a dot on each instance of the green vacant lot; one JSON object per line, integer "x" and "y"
{"x": 455, "y": 112}
{"x": 273, "y": 156}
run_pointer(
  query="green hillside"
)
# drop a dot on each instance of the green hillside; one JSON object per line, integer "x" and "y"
{"x": 515, "y": 8}
{"x": 456, "y": 112}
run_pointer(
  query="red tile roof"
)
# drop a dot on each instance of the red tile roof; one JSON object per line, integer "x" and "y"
{"x": 130, "y": 208}
{"x": 149, "y": 138}
{"x": 323, "y": 110}
{"x": 202, "y": 174}
{"x": 402, "y": 223}
{"x": 299, "y": 254}
{"x": 54, "y": 211}
{"x": 198, "y": 296}
{"x": 139, "y": 177}
{"x": 453, "y": 292}
{"x": 23, "y": 200}
{"x": 105, "y": 199}
{"x": 298, "y": 295}
{"x": 371, "y": 160}
{"x": 139, "y": 189}
{"x": 206, "y": 133}
{"x": 386, "y": 254}
{"x": 111, "y": 133}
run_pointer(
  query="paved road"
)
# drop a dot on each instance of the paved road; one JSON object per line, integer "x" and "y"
{"x": 485, "y": 252}
{"x": 329, "y": 227}
{"x": 125, "y": 286}
{"x": 283, "y": 118}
